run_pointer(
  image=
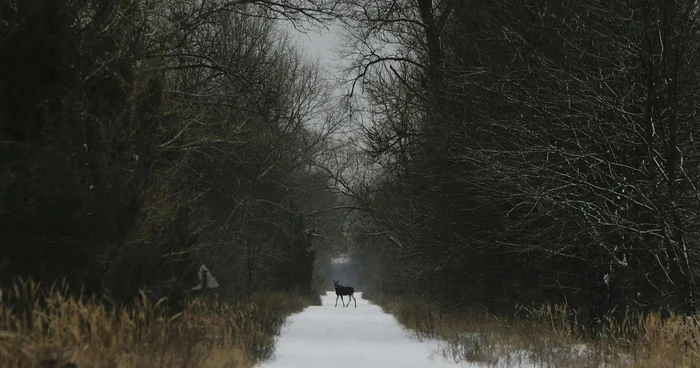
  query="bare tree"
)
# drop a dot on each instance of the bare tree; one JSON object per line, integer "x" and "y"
{"x": 537, "y": 162}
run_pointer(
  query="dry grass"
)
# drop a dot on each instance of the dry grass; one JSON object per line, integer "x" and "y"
{"x": 62, "y": 331}
{"x": 549, "y": 337}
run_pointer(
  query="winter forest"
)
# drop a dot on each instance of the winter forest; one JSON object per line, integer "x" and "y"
{"x": 478, "y": 155}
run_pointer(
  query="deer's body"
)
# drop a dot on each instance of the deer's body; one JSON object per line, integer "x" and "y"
{"x": 341, "y": 291}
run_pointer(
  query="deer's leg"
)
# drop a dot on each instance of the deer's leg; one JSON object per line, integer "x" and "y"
{"x": 336, "y": 300}
{"x": 342, "y": 300}
{"x": 353, "y": 298}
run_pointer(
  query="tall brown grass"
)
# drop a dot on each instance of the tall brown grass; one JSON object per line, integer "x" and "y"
{"x": 56, "y": 330}
{"x": 548, "y": 336}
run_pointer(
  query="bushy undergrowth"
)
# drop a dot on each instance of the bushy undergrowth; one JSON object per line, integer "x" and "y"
{"x": 53, "y": 329}
{"x": 549, "y": 337}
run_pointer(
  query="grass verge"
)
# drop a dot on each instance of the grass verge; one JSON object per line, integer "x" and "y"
{"x": 56, "y": 330}
{"x": 549, "y": 337}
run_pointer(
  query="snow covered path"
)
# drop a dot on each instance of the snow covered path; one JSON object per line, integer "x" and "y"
{"x": 332, "y": 337}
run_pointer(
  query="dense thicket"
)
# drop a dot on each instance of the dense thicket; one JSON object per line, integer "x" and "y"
{"x": 532, "y": 151}
{"x": 139, "y": 139}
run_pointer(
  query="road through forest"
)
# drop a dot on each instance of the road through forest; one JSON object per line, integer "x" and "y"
{"x": 334, "y": 337}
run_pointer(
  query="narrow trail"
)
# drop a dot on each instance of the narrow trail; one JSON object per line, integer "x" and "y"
{"x": 335, "y": 337}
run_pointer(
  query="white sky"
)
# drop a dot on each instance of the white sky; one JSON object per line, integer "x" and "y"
{"x": 325, "y": 45}
{"x": 321, "y": 44}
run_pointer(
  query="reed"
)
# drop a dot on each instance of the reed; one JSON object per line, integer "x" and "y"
{"x": 551, "y": 336}
{"x": 54, "y": 329}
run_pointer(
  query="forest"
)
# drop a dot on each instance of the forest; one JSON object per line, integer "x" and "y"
{"x": 531, "y": 152}
{"x": 481, "y": 155}
{"x": 142, "y": 139}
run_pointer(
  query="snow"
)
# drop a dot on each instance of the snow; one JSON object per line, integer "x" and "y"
{"x": 337, "y": 337}
{"x": 328, "y": 336}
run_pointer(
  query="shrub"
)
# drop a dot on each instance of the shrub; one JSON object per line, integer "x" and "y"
{"x": 54, "y": 329}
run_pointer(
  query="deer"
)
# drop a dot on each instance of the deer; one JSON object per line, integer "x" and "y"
{"x": 343, "y": 290}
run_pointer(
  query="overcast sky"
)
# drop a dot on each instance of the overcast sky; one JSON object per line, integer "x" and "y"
{"x": 322, "y": 44}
